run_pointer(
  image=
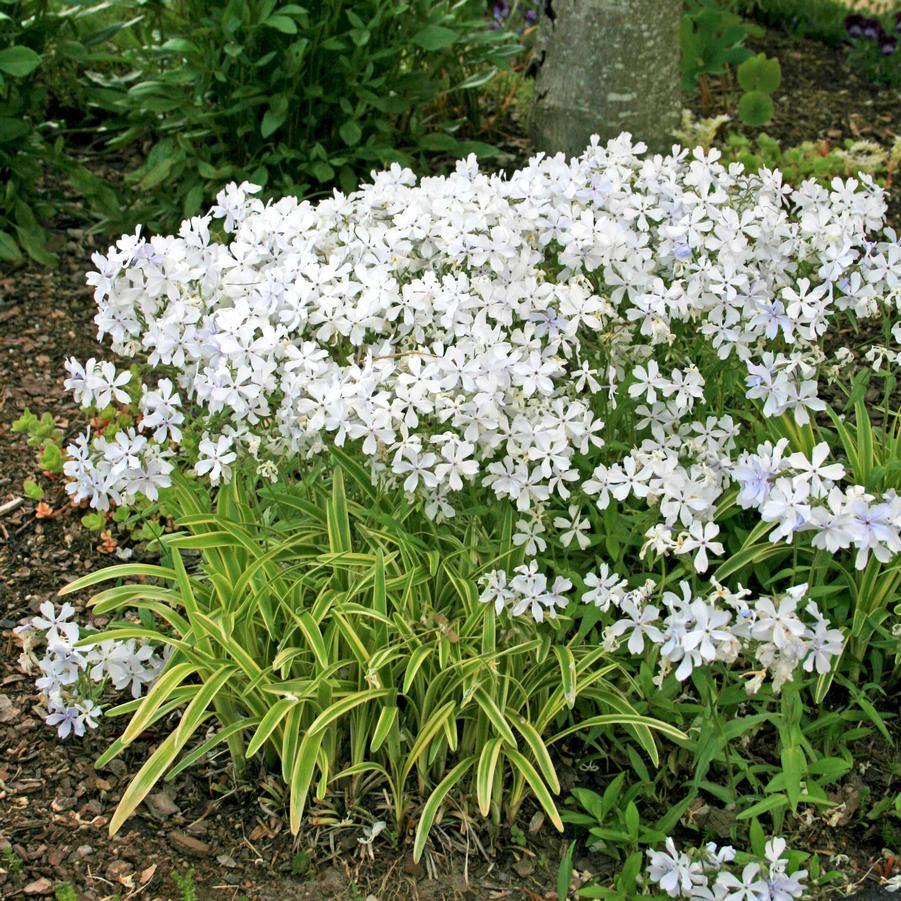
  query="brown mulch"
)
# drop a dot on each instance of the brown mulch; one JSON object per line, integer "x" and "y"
{"x": 55, "y": 808}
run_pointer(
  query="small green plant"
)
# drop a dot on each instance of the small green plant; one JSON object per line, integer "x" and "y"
{"x": 712, "y": 39}
{"x": 758, "y": 77}
{"x": 32, "y": 490}
{"x": 38, "y": 430}
{"x": 301, "y": 863}
{"x": 713, "y": 44}
{"x": 11, "y": 861}
{"x": 44, "y": 434}
{"x": 65, "y": 891}
{"x": 185, "y": 884}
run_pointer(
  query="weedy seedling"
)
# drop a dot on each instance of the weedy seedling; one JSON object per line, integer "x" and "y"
{"x": 65, "y": 891}
{"x": 11, "y": 861}
{"x": 185, "y": 884}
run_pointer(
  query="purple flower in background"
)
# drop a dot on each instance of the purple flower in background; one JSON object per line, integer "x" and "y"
{"x": 898, "y": 21}
{"x": 872, "y": 29}
{"x": 887, "y": 44}
{"x": 532, "y": 17}
{"x": 854, "y": 25}
{"x": 501, "y": 11}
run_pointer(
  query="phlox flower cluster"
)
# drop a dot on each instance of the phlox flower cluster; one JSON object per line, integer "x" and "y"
{"x": 71, "y": 678}
{"x": 527, "y": 592}
{"x": 690, "y": 631}
{"x": 693, "y": 631}
{"x": 480, "y": 329}
{"x": 710, "y": 874}
{"x": 801, "y": 495}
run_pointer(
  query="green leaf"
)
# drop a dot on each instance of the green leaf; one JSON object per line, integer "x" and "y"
{"x": 284, "y": 24}
{"x": 417, "y": 658}
{"x": 631, "y": 820}
{"x": 485, "y": 773}
{"x": 121, "y": 571}
{"x": 9, "y": 250}
{"x": 565, "y": 872}
{"x": 302, "y": 776}
{"x": 758, "y": 837}
{"x": 387, "y": 719}
{"x": 438, "y": 141}
{"x": 149, "y": 774}
{"x": 567, "y": 673}
{"x": 321, "y": 170}
{"x": 760, "y": 74}
{"x": 792, "y": 767}
{"x": 755, "y": 108}
{"x": 337, "y": 520}
{"x": 495, "y": 715}
{"x": 539, "y": 750}
{"x": 538, "y": 787}
{"x": 272, "y": 121}
{"x": 431, "y": 806}
{"x": 159, "y": 692}
{"x": 435, "y": 37}
{"x": 767, "y": 804}
{"x": 350, "y": 133}
{"x": 432, "y": 726}
{"x": 339, "y": 708}
{"x": 621, "y": 719}
{"x": 18, "y": 61}
{"x": 269, "y": 723}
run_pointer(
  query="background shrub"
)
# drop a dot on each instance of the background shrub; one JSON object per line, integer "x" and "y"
{"x": 296, "y": 98}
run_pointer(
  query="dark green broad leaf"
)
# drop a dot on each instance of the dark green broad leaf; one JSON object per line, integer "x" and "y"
{"x": 11, "y": 129}
{"x": 272, "y": 121}
{"x": 9, "y": 250}
{"x": 755, "y": 108}
{"x": 321, "y": 170}
{"x": 350, "y": 133}
{"x": 435, "y": 37}
{"x": 284, "y": 24}
{"x": 438, "y": 141}
{"x": 18, "y": 61}
{"x": 760, "y": 74}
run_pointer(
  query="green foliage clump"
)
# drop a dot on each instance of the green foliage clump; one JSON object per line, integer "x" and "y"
{"x": 820, "y": 160}
{"x": 339, "y": 640}
{"x": 712, "y": 39}
{"x": 44, "y": 434}
{"x": 45, "y": 49}
{"x": 812, "y": 159}
{"x": 297, "y": 98}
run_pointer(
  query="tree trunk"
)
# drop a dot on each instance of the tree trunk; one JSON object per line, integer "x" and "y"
{"x": 604, "y": 67}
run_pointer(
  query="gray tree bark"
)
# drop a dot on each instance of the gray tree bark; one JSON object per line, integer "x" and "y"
{"x": 604, "y": 67}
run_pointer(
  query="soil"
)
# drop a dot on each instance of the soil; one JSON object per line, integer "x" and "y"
{"x": 55, "y": 807}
